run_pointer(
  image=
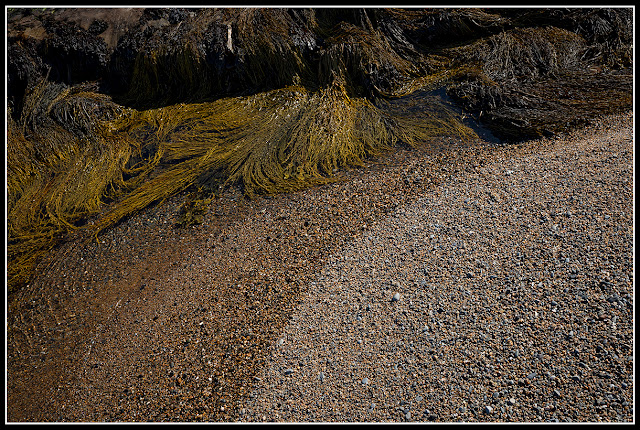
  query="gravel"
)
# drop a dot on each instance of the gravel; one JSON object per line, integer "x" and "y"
{"x": 457, "y": 282}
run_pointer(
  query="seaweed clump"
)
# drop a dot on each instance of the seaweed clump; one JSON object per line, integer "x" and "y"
{"x": 274, "y": 100}
{"x": 271, "y": 142}
{"x": 62, "y": 162}
{"x": 194, "y": 208}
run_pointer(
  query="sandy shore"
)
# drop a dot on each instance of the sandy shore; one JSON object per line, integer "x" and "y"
{"x": 457, "y": 282}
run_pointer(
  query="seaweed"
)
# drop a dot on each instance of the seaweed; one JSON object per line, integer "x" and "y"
{"x": 274, "y": 100}
{"x": 276, "y": 141}
{"x": 85, "y": 150}
{"x": 195, "y": 207}
{"x": 61, "y": 162}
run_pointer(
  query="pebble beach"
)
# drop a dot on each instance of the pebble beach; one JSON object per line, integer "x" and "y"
{"x": 454, "y": 282}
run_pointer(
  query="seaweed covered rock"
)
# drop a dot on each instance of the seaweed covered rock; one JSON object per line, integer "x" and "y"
{"x": 66, "y": 45}
{"x": 607, "y": 31}
{"x": 533, "y": 81}
{"x": 208, "y": 54}
{"x": 128, "y": 106}
{"x": 158, "y": 56}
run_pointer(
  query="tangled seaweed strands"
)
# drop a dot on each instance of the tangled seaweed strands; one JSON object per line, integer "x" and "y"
{"x": 24, "y": 178}
{"x": 538, "y": 107}
{"x": 607, "y": 31}
{"x": 384, "y": 53}
{"x": 368, "y": 61}
{"x": 61, "y": 164}
{"x": 525, "y": 54}
{"x": 611, "y": 33}
{"x": 278, "y": 141}
{"x": 436, "y": 28}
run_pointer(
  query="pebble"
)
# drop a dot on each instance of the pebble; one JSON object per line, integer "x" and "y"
{"x": 395, "y": 297}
